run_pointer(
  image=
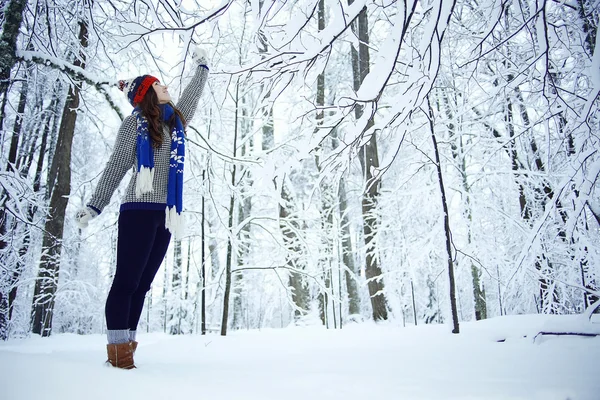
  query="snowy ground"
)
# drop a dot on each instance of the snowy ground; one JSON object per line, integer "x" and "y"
{"x": 365, "y": 361}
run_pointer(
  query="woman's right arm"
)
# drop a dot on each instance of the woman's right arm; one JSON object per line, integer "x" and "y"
{"x": 120, "y": 162}
{"x": 188, "y": 102}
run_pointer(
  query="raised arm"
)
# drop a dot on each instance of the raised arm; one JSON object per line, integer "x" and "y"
{"x": 120, "y": 162}
{"x": 188, "y": 102}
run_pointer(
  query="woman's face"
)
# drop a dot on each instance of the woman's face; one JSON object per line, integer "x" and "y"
{"x": 162, "y": 92}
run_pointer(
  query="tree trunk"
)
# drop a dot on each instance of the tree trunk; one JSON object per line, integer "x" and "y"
{"x": 47, "y": 281}
{"x": 479, "y": 299}
{"x": 225, "y": 317}
{"x": 548, "y": 294}
{"x": 525, "y": 206}
{"x": 186, "y": 287}
{"x": 26, "y": 156}
{"x": 2, "y": 7}
{"x": 589, "y": 24}
{"x": 370, "y": 200}
{"x": 164, "y": 300}
{"x": 455, "y": 326}
{"x": 13, "y": 17}
{"x": 2, "y": 114}
{"x": 296, "y": 281}
{"x": 13, "y": 283}
{"x": 268, "y": 129}
{"x": 229, "y": 262}
{"x": 414, "y": 306}
{"x": 288, "y": 224}
{"x": 203, "y": 267}
{"x": 6, "y": 224}
{"x": 244, "y": 211}
{"x": 326, "y": 192}
{"x": 347, "y": 249}
{"x": 369, "y": 160}
{"x": 350, "y": 272}
{"x": 5, "y": 301}
{"x": 18, "y": 125}
{"x": 176, "y": 280}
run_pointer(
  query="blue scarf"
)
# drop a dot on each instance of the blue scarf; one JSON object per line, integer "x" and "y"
{"x": 145, "y": 157}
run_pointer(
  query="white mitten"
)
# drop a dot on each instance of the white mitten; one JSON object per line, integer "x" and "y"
{"x": 84, "y": 216}
{"x": 199, "y": 55}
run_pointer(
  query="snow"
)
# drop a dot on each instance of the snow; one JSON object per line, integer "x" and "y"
{"x": 336, "y": 26}
{"x": 594, "y": 76}
{"x": 585, "y": 178}
{"x": 374, "y": 82}
{"x": 63, "y": 65}
{"x": 361, "y": 361}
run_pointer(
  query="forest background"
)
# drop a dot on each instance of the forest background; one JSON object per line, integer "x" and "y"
{"x": 415, "y": 161}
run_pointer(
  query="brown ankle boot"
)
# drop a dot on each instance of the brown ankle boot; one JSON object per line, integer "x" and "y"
{"x": 120, "y": 355}
{"x": 133, "y": 345}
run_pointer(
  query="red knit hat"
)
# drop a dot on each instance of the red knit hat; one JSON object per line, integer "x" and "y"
{"x": 136, "y": 88}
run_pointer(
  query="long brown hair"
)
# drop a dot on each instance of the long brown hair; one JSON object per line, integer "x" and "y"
{"x": 150, "y": 109}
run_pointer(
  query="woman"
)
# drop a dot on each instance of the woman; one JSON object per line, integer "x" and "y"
{"x": 152, "y": 141}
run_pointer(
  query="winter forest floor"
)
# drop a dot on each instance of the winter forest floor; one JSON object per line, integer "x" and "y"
{"x": 361, "y": 361}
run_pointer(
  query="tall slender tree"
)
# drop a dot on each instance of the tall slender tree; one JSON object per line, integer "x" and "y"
{"x": 447, "y": 231}
{"x": 459, "y": 158}
{"x": 369, "y": 161}
{"x": 46, "y": 283}
{"x": 230, "y": 220}
{"x": 12, "y": 19}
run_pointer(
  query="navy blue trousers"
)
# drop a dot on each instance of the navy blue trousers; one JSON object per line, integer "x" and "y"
{"x": 141, "y": 247}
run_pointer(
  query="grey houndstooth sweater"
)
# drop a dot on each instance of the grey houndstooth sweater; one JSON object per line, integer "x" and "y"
{"x": 124, "y": 156}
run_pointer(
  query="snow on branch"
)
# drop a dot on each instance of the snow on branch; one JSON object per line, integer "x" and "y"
{"x": 536, "y": 229}
{"x": 592, "y": 308}
{"x": 135, "y": 31}
{"x": 17, "y": 195}
{"x": 587, "y": 179}
{"x": 421, "y": 74}
{"x": 292, "y": 49}
{"x": 594, "y": 76}
{"x": 76, "y": 73}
